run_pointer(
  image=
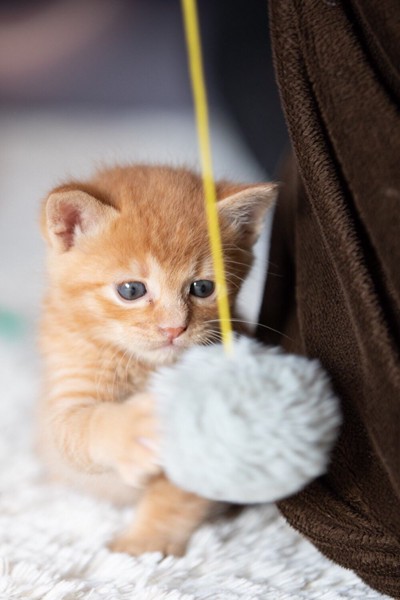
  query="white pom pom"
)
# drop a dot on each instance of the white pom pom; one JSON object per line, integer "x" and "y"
{"x": 253, "y": 426}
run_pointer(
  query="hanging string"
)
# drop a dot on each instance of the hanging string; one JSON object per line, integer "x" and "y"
{"x": 193, "y": 44}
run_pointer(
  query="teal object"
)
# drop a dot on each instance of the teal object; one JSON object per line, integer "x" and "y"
{"x": 12, "y": 325}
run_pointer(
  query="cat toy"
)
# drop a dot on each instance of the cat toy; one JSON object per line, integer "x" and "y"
{"x": 241, "y": 422}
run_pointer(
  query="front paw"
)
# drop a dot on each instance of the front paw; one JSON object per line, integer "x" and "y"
{"x": 137, "y": 544}
{"x": 124, "y": 437}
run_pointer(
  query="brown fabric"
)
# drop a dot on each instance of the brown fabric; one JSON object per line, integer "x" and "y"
{"x": 335, "y": 258}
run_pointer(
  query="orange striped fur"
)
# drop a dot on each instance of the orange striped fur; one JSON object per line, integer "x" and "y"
{"x": 98, "y": 428}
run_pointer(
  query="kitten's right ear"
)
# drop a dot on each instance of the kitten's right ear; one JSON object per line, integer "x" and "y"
{"x": 71, "y": 213}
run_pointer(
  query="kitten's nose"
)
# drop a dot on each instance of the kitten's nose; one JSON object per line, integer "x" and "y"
{"x": 173, "y": 332}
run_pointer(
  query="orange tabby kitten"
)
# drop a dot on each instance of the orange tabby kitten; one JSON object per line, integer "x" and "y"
{"x": 130, "y": 288}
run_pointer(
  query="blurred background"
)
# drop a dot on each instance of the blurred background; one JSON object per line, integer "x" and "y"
{"x": 83, "y": 82}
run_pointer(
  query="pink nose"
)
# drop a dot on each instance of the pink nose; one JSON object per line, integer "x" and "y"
{"x": 173, "y": 332}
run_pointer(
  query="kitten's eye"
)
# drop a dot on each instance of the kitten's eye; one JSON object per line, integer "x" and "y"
{"x": 131, "y": 290}
{"x": 202, "y": 288}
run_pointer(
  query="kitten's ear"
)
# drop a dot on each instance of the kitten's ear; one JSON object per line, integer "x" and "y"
{"x": 245, "y": 210}
{"x": 71, "y": 213}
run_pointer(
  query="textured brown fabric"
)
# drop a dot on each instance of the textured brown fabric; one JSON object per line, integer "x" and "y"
{"x": 336, "y": 251}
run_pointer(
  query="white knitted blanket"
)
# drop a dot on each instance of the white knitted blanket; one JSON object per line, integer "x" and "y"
{"x": 53, "y": 540}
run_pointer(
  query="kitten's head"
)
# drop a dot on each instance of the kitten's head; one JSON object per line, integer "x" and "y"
{"x": 129, "y": 256}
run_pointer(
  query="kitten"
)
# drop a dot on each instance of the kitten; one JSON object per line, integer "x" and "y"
{"x": 130, "y": 287}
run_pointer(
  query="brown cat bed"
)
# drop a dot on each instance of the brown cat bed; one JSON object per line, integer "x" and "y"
{"x": 336, "y": 247}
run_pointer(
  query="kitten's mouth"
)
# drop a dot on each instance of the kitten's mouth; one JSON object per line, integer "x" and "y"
{"x": 177, "y": 343}
{"x": 164, "y": 353}
{"x": 167, "y": 346}
{"x": 171, "y": 345}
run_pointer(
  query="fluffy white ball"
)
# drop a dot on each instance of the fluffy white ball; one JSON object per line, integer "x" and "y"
{"x": 254, "y": 426}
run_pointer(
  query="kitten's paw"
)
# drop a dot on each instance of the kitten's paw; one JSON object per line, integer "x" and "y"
{"x": 124, "y": 437}
{"x": 139, "y": 544}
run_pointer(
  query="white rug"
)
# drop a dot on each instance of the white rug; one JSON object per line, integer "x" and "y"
{"x": 53, "y": 540}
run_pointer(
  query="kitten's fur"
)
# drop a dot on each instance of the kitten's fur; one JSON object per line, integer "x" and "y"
{"x": 97, "y": 423}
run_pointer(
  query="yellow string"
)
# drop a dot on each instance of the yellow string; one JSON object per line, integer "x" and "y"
{"x": 210, "y": 197}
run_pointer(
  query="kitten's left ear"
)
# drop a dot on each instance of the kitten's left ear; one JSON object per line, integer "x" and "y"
{"x": 245, "y": 210}
{"x": 70, "y": 213}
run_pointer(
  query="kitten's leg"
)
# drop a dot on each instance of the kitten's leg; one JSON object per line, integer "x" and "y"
{"x": 164, "y": 521}
{"x": 98, "y": 437}
{"x": 124, "y": 437}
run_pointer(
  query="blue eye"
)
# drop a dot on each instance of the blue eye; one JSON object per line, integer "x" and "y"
{"x": 131, "y": 290}
{"x": 202, "y": 288}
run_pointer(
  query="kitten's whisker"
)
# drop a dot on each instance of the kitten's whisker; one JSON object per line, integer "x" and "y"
{"x": 227, "y": 247}
{"x": 132, "y": 357}
{"x": 214, "y": 336}
{"x": 230, "y": 261}
{"x": 102, "y": 372}
{"x": 214, "y": 333}
{"x": 274, "y": 274}
{"x": 117, "y": 378}
{"x": 235, "y": 320}
{"x": 127, "y": 367}
{"x": 234, "y": 284}
{"x": 211, "y": 340}
{"x": 229, "y": 274}
{"x": 103, "y": 380}
{"x": 265, "y": 263}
